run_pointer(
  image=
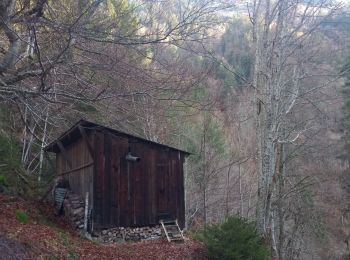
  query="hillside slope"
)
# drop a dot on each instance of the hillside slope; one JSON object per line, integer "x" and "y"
{"x": 44, "y": 236}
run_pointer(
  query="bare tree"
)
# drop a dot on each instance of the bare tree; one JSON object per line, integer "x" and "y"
{"x": 64, "y": 59}
{"x": 284, "y": 47}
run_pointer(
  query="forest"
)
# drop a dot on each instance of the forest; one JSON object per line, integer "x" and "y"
{"x": 258, "y": 91}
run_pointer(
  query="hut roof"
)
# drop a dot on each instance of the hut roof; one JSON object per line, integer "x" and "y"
{"x": 73, "y": 134}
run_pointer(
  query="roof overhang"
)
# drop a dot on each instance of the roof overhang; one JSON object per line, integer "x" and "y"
{"x": 75, "y": 132}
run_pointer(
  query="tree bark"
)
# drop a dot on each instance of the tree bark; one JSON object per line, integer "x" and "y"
{"x": 12, "y": 53}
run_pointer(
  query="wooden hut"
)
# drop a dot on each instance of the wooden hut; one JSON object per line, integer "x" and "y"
{"x": 130, "y": 181}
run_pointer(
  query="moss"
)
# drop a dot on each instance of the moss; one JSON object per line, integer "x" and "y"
{"x": 22, "y": 216}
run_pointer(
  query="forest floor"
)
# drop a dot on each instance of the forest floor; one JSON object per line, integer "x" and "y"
{"x": 46, "y": 236}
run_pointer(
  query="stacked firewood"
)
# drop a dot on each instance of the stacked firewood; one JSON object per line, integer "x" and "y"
{"x": 120, "y": 234}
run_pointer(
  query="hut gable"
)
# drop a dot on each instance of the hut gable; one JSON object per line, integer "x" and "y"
{"x": 130, "y": 181}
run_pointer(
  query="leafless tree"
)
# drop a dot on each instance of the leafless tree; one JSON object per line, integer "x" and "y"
{"x": 284, "y": 47}
{"x": 59, "y": 57}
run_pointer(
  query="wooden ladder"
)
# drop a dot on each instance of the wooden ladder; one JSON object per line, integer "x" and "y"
{"x": 172, "y": 230}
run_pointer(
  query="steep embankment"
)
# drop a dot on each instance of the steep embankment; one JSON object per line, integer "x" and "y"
{"x": 45, "y": 236}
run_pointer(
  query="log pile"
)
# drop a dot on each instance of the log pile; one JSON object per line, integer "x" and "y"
{"x": 121, "y": 234}
{"x": 73, "y": 207}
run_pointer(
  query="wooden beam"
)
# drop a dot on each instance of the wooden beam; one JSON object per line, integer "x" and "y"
{"x": 64, "y": 153}
{"x": 77, "y": 168}
{"x": 86, "y": 139}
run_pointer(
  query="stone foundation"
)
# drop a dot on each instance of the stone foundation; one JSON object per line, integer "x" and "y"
{"x": 73, "y": 207}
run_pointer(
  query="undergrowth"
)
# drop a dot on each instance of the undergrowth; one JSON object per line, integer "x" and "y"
{"x": 22, "y": 216}
{"x": 234, "y": 239}
{"x": 67, "y": 243}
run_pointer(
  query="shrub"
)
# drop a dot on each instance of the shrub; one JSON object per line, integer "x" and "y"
{"x": 3, "y": 181}
{"x": 234, "y": 239}
{"x": 21, "y": 216}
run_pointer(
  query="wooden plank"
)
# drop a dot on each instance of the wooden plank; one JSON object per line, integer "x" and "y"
{"x": 133, "y": 193}
{"x": 76, "y": 169}
{"x": 167, "y": 181}
{"x": 125, "y": 200}
{"x": 136, "y": 174}
{"x": 124, "y": 215}
{"x": 145, "y": 187}
{"x": 114, "y": 172}
{"x": 141, "y": 188}
{"x": 179, "y": 195}
{"x": 122, "y": 184}
{"x": 181, "y": 192}
{"x": 98, "y": 179}
{"x": 162, "y": 182}
{"x": 173, "y": 196}
{"x": 118, "y": 150}
{"x": 107, "y": 180}
{"x": 64, "y": 153}
{"x": 177, "y": 187}
{"x": 152, "y": 188}
{"x": 86, "y": 139}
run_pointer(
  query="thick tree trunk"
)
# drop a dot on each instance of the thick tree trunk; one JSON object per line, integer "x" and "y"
{"x": 12, "y": 53}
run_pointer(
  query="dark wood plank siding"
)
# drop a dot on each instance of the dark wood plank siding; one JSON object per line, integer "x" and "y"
{"x": 80, "y": 173}
{"x": 119, "y": 192}
{"x": 98, "y": 180}
{"x": 124, "y": 198}
{"x": 125, "y": 193}
{"x": 139, "y": 176}
{"x": 135, "y": 193}
{"x": 119, "y": 148}
{"x": 152, "y": 184}
{"x": 107, "y": 205}
{"x": 181, "y": 190}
